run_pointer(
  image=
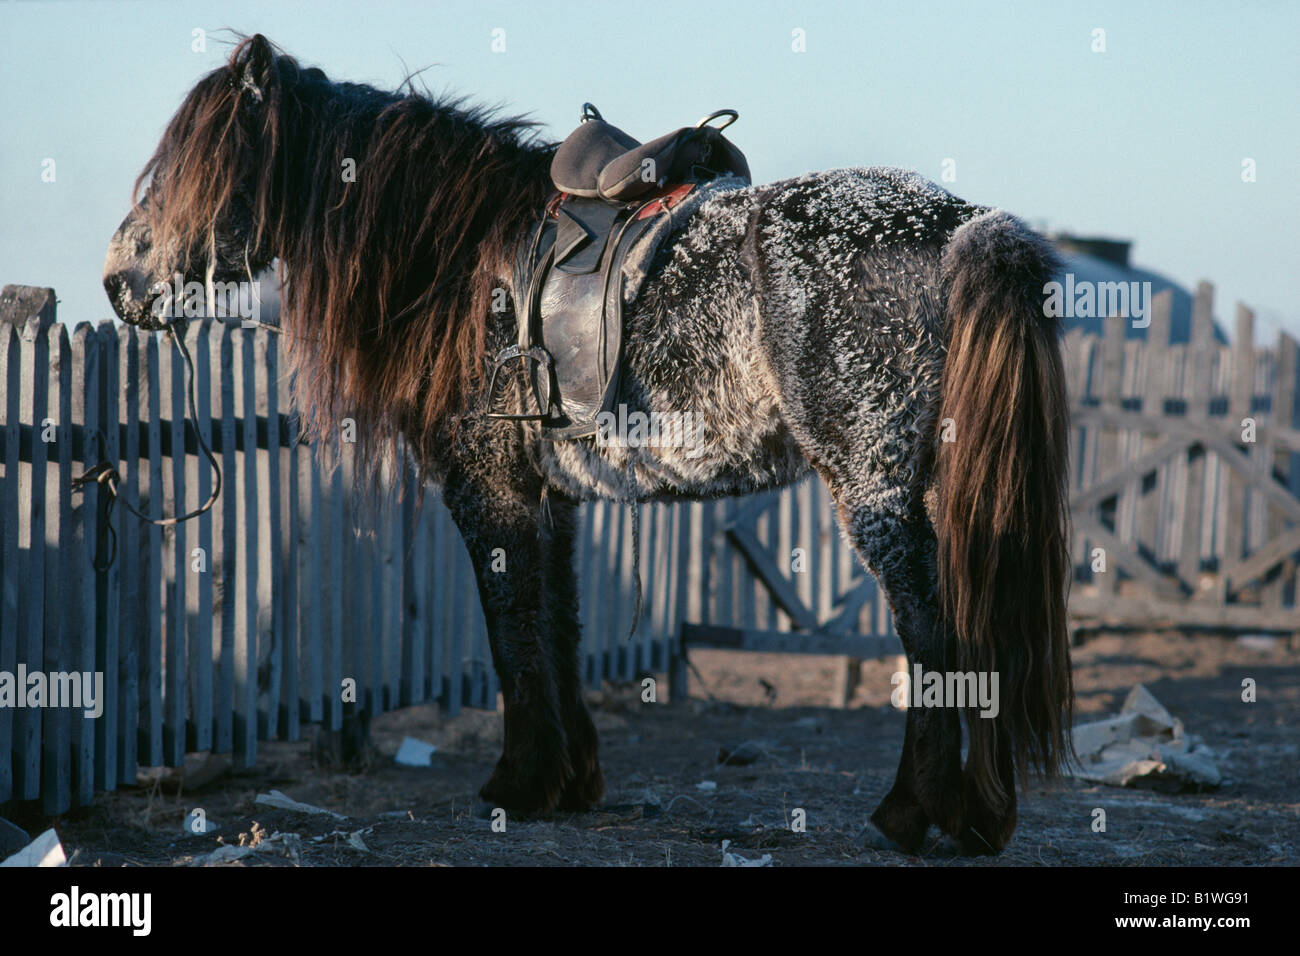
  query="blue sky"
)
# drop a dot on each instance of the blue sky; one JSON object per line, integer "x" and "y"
{"x": 1144, "y": 141}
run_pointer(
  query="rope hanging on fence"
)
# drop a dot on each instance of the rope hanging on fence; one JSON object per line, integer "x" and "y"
{"x": 106, "y": 475}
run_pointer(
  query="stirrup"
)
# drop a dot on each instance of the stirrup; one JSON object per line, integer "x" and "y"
{"x": 540, "y": 358}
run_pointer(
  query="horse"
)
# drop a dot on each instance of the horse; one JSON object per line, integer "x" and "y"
{"x": 862, "y": 323}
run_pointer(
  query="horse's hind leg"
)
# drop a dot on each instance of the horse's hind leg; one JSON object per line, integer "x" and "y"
{"x": 898, "y": 546}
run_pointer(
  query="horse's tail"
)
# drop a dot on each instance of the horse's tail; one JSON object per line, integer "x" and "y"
{"x": 1002, "y": 498}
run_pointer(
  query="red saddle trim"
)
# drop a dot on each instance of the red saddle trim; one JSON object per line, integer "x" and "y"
{"x": 669, "y": 197}
{"x": 656, "y": 203}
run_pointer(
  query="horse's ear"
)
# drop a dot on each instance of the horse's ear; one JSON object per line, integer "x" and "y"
{"x": 258, "y": 71}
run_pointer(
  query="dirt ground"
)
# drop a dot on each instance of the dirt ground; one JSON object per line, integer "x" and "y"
{"x": 671, "y": 802}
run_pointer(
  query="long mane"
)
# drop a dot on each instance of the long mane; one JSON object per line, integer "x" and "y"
{"x": 389, "y": 274}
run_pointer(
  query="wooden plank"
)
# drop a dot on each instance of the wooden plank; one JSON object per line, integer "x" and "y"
{"x": 764, "y": 617}
{"x": 624, "y": 558}
{"x": 1239, "y": 407}
{"x": 777, "y": 584}
{"x": 653, "y": 519}
{"x": 81, "y": 547}
{"x": 248, "y": 528}
{"x": 1283, "y": 415}
{"x": 1175, "y": 427}
{"x": 60, "y": 576}
{"x": 1262, "y": 560}
{"x": 426, "y": 555}
{"x": 414, "y": 612}
{"x": 11, "y": 521}
{"x": 130, "y": 570}
{"x": 688, "y": 550}
{"x": 1281, "y": 499}
{"x": 1120, "y": 555}
{"x": 272, "y": 644}
{"x": 1192, "y": 525}
{"x": 177, "y": 563}
{"x": 350, "y": 584}
{"x": 153, "y": 501}
{"x": 784, "y": 642}
{"x": 393, "y": 543}
{"x": 231, "y": 614}
{"x": 339, "y": 540}
{"x": 295, "y": 602}
{"x": 313, "y": 583}
{"x": 34, "y": 409}
{"x": 199, "y": 597}
{"x": 1108, "y": 439}
{"x": 459, "y": 625}
{"x": 824, "y": 540}
{"x": 723, "y": 557}
{"x": 108, "y": 584}
{"x": 1126, "y": 612}
{"x": 1155, "y": 388}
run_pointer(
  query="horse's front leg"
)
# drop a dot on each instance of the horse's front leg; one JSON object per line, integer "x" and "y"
{"x": 560, "y": 599}
{"x": 525, "y": 597}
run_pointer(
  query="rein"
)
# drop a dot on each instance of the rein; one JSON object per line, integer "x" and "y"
{"x": 106, "y": 475}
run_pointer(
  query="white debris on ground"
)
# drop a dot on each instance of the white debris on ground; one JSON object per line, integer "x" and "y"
{"x": 735, "y": 859}
{"x": 1144, "y": 745}
{"x": 45, "y": 850}
{"x": 278, "y": 800}
{"x": 415, "y": 753}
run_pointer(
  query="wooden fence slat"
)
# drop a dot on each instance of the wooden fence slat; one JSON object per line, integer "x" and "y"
{"x": 1239, "y": 407}
{"x": 10, "y": 531}
{"x": 231, "y": 613}
{"x": 82, "y": 541}
{"x": 411, "y": 666}
{"x": 338, "y": 553}
{"x": 108, "y": 591}
{"x": 35, "y": 392}
{"x": 60, "y": 595}
{"x": 154, "y": 503}
{"x": 179, "y": 579}
{"x": 1284, "y": 413}
{"x": 199, "y": 596}
{"x": 270, "y": 552}
{"x": 1153, "y": 403}
{"x": 131, "y": 614}
{"x": 312, "y": 580}
{"x": 247, "y": 523}
{"x": 457, "y": 625}
{"x": 290, "y": 715}
{"x": 390, "y": 568}
{"x": 1189, "y": 555}
{"x": 436, "y": 584}
{"x": 1108, "y": 440}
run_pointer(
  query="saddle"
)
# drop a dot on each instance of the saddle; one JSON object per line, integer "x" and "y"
{"x": 610, "y": 190}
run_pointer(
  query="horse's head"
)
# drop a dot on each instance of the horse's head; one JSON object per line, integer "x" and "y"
{"x": 205, "y": 215}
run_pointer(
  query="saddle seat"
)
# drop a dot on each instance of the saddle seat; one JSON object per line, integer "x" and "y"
{"x": 600, "y": 161}
{"x": 569, "y": 282}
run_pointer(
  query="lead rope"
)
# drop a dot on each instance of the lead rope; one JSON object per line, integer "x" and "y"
{"x": 105, "y": 474}
{"x": 636, "y": 549}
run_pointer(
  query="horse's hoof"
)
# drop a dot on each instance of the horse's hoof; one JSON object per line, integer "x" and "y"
{"x": 872, "y": 839}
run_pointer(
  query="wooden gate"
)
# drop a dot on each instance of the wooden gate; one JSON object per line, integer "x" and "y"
{"x": 776, "y": 575}
{"x": 1187, "y": 478}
